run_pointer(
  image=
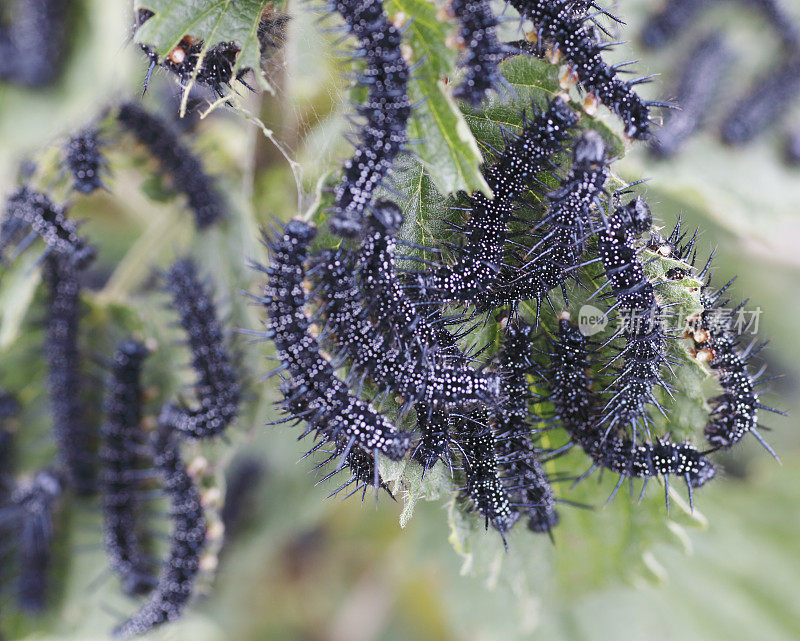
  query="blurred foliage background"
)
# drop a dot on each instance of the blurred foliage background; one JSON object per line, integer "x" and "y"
{"x": 305, "y": 568}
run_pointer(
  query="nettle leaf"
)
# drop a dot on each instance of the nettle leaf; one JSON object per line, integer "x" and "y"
{"x": 213, "y": 21}
{"x": 443, "y": 141}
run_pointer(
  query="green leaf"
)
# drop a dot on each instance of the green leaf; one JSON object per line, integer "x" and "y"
{"x": 445, "y": 145}
{"x": 16, "y": 294}
{"x": 213, "y": 21}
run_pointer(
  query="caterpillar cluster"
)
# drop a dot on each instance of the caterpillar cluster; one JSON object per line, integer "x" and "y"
{"x": 576, "y": 406}
{"x": 380, "y": 359}
{"x": 193, "y": 61}
{"x": 702, "y": 76}
{"x": 116, "y": 457}
{"x": 398, "y": 332}
{"x": 477, "y": 267}
{"x": 177, "y": 161}
{"x": 560, "y": 237}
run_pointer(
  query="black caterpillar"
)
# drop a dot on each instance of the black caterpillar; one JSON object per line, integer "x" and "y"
{"x": 792, "y": 150}
{"x": 192, "y": 61}
{"x": 177, "y": 161}
{"x": 84, "y": 159}
{"x": 676, "y": 16}
{"x": 565, "y": 34}
{"x": 33, "y": 43}
{"x": 32, "y": 508}
{"x": 716, "y": 341}
{"x": 645, "y": 339}
{"x": 388, "y": 302}
{"x": 411, "y": 373}
{"x": 566, "y": 227}
{"x": 485, "y": 488}
{"x": 702, "y": 74}
{"x": 768, "y": 99}
{"x": 332, "y": 410}
{"x": 433, "y": 424}
{"x": 575, "y": 407}
{"x": 300, "y": 406}
{"x": 179, "y": 569}
{"x": 525, "y": 478}
{"x": 30, "y": 213}
{"x": 386, "y": 112}
{"x": 482, "y": 256}
{"x": 361, "y": 466}
{"x": 70, "y": 427}
{"x": 671, "y": 20}
{"x": 122, "y": 438}
{"x": 483, "y": 52}
{"x": 217, "y": 388}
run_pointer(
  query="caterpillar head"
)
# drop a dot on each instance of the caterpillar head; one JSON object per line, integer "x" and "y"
{"x": 387, "y": 217}
{"x": 300, "y": 231}
{"x": 590, "y": 149}
{"x": 636, "y": 216}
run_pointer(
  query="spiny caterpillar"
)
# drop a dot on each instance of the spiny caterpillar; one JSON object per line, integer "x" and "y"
{"x": 645, "y": 339}
{"x": 576, "y": 407}
{"x": 388, "y": 302}
{"x": 557, "y": 27}
{"x": 485, "y": 488}
{"x": 524, "y": 476}
{"x": 483, "y": 52}
{"x": 30, "y": 213}
{"x": 192, "y": 61}
{"x": 433, "y": 424}
{"x": 338, "y": 412}
{"x": 676, "y": 16}
{"x": 70, "y": 428}
{"x": 31, "y": 512}
{"x": 766, "y": 101}
{"x": 566, "y": 226}
{"x": 792, "y": 150}
{"x": 673, "y": 17}
{"x": 716, "y": 341}
{"x": 361, "y": 466}
{"x": 482, "y": 255}
{"x": 177, "y": 161}
{"x": 217, "y": 387}
{"x": 385, "y": 112}
{"x": 32, "y": 45}
{"x": 179, "y": 569}
{"x": 122, "y": 438}
{"x": 84, "y": 159}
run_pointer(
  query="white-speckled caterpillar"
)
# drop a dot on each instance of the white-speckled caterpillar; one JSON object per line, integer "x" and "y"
{"x": 333, "y": 411}
{"x": 386, "y": 111}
